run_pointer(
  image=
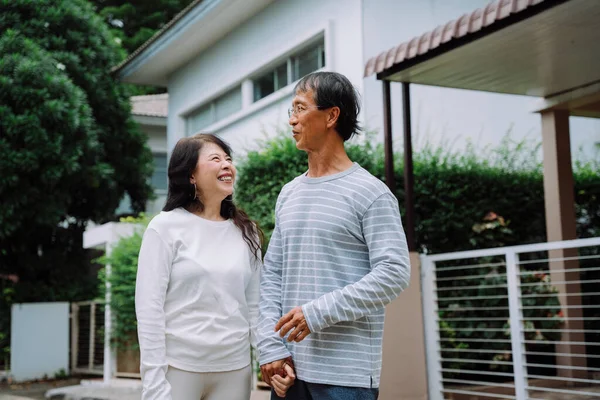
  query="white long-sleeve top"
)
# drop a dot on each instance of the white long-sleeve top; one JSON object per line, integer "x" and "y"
{"x": 196, "y": 298}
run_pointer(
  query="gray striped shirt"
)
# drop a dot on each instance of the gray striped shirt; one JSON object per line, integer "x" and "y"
{"x": 339, "y": 251}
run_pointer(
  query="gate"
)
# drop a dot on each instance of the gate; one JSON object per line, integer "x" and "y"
{"x": 87, "y": 337}
{"x": 518, "y": 322}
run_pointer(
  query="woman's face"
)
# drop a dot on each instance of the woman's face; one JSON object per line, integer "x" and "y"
{"x": 214, "y": 175}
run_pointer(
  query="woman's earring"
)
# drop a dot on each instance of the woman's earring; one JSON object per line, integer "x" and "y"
{"x": 195, "y": 192}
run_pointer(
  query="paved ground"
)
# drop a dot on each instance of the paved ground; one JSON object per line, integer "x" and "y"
{"x": 32, "y": 390}
{"x": 71, "y": 389}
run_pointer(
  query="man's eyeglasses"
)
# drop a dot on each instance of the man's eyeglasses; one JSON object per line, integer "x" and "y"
{"x": 299, "y": 109}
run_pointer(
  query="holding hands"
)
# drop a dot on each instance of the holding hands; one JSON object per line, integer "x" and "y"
{"x": 281, "y": 384}
{"x": 279, "y": 375}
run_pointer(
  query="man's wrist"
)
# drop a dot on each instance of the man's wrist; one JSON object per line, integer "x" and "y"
{"x": 310, "y": 316}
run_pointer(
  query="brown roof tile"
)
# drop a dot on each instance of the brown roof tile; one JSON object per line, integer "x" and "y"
{"x": 452, "y": 30}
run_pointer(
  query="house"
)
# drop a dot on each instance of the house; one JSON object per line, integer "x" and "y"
{"x": 150, "y": 112}
{"x": 230, "y": 65}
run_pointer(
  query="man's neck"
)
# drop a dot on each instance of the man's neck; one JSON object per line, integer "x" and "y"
{"x": 330, "y": 160}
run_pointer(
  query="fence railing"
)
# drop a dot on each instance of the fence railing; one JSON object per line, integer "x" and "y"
{"x": 518, "y": 322}
{"x": 87, "y": 337}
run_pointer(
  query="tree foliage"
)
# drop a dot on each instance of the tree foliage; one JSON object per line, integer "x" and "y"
{"x": 70, "y": 150}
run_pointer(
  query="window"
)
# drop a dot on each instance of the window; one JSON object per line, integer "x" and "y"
{"x": 271, "y": 82}
{"x": 307, "y": 62}
{"x": 216, "y": 110}
{"x": 159, "y": 176}
{"x": 295, "y": 67}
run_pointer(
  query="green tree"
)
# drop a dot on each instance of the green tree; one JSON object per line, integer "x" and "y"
{"x": 69, "y": 150}
{"x": 86, "y": 171}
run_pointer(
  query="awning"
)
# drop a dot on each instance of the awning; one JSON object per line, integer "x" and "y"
{"x": 540, "y": 48}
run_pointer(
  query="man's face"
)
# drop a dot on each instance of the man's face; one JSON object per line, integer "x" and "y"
{"x": 309, "y": 124}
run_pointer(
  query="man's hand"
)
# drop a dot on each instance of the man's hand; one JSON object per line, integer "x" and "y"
{"x": 293, "y": 320}
{"x": 280, "y": 384}
{"x": 275, "y": 368}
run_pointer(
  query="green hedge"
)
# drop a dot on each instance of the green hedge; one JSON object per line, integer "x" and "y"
{"x": 453, "y": 191}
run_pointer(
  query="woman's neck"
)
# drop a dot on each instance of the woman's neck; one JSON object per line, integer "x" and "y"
{"x": 211, "y": 211}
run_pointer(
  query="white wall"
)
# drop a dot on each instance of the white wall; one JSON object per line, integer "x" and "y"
{"x": 443, "y": 115}
{"x": 39, "y": 340}
{"x": 266, "y": 36}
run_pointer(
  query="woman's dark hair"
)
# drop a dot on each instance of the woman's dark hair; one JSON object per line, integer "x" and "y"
{"x": 331, "y": 89}
{"x": 183, "y": 194}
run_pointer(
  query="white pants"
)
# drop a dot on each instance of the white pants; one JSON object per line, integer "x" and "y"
{"x": 228, "y": 385}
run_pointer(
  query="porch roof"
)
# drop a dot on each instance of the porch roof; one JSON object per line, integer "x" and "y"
{"x": 542, "y": 48}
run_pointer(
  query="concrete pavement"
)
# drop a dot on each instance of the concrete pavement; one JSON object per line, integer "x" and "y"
{"x": 118, "y": 389}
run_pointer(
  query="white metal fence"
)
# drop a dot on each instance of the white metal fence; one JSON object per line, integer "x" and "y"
{"x": 87, "y": 337}
{"x": 518, "y": 322}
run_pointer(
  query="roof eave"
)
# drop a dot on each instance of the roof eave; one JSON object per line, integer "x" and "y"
{"x": 409, "y": 54}
{"x": 194, "y": 12}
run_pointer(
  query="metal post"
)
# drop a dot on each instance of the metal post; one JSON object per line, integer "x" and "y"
{"x": 74, "y": 335}
{"x": 92, "y": 335}
{"x": 517, "y": 336}
{"x": 433, "y": 350}
{"x": 409, "y": 181}
{"x": 108, "y": 362}
{"x": 390, "y": 179}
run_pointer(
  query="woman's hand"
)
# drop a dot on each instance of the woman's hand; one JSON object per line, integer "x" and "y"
{"x": 280, "y": 384}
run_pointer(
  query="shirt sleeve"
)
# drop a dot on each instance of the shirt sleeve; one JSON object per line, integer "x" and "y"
{"x": 270, "y": 344}
{"x": 389, "y": 275}
{"x": 154, "y": 269}
{"x": 252, "y": 297}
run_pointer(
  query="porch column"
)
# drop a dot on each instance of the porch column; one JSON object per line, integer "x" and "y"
{"x": 404, "y": 372}
{"x": 559, "y": 199}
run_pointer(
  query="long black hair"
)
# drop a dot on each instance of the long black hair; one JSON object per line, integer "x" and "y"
{"x": 183, "y": 194}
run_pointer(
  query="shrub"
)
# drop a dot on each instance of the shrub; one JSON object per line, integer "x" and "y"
{"x": 123, "y": 260}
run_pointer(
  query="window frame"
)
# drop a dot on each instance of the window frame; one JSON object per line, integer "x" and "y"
{"x": 212, "y": 103}
{"x": 292, "y": 63}
{"x": 166, "y": 168}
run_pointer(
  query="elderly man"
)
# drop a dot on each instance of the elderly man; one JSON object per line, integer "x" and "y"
{"x": 337, "y": 256}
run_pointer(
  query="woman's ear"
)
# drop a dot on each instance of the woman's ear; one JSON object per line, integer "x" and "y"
{"x": 332, "y": 116}
{"x": 192, "y": 180}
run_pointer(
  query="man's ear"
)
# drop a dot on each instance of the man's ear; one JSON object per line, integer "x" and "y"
{"x": 332, "y": 116}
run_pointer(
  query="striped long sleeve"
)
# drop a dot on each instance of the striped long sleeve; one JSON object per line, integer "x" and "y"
{"x": 270, "y": 345}
{"x": 389, "y": 276}
{"x": 338, "y": 251}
